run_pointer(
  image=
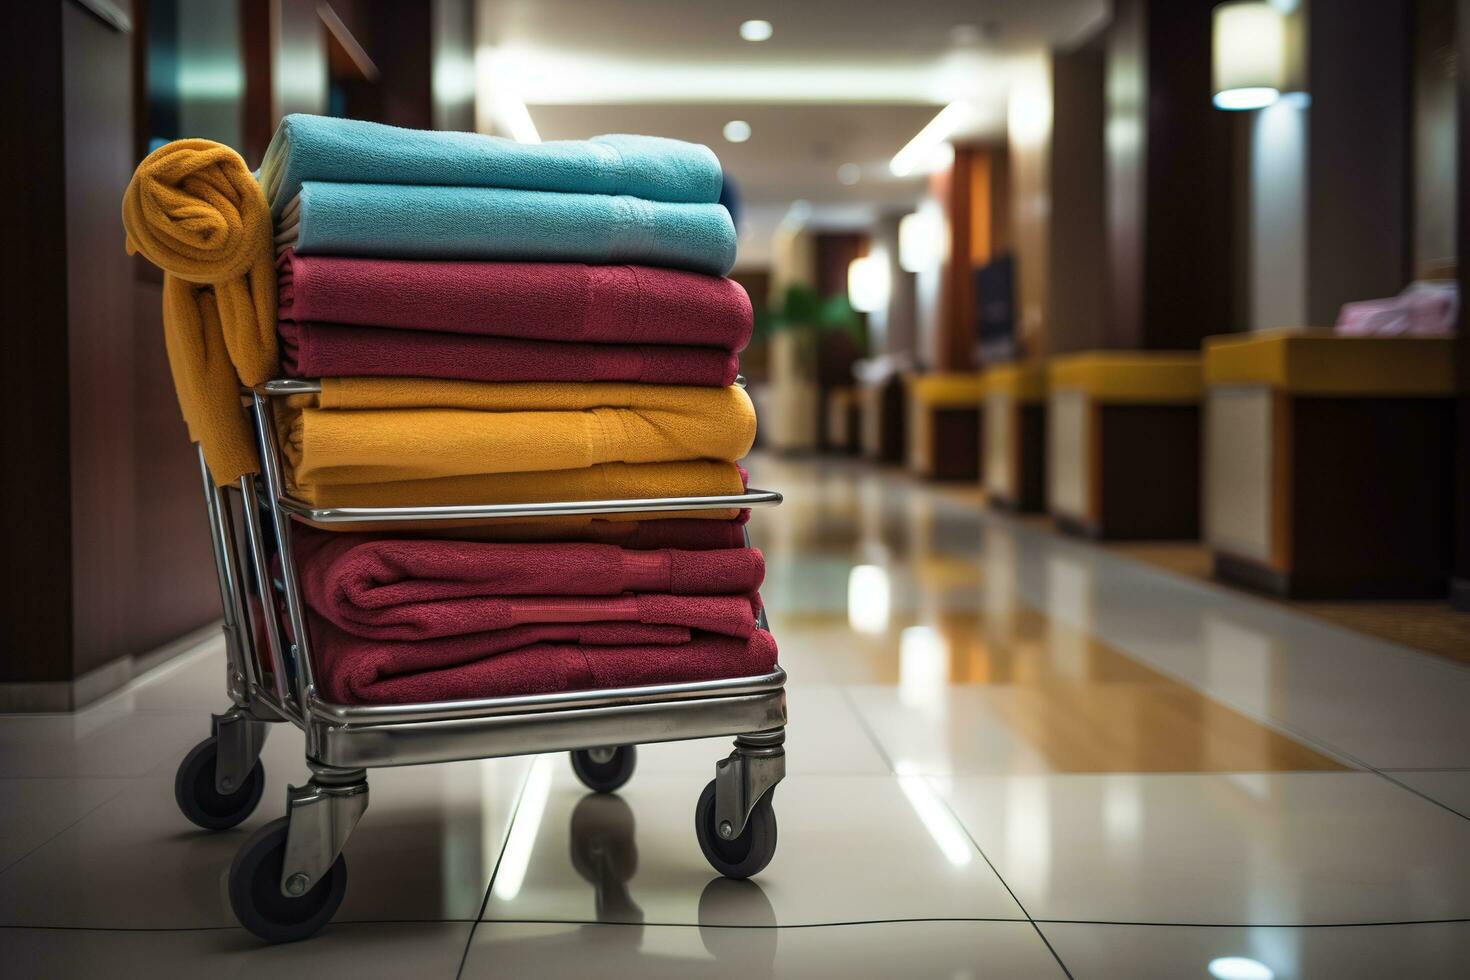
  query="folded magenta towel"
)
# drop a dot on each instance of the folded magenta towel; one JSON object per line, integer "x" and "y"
{"x": 411, "y": 622}
{"x": 326, "y": 350}
{"x": 537, "y": 659}
{"x": 423, "y": 222}
{"x": 618, "y": 304}
{"x": 307, "y": 148}
{"x": 395, "y": 588}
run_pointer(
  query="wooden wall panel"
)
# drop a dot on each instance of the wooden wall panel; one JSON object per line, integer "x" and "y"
{"x": 98, "y": 113}
{"x": 1170, "y": 189}
{"x": 1460, "y": 586}
{"x": 1358, "y": 194}
{"x": 1076, "y": 304}
{"x": 35, "y": 600}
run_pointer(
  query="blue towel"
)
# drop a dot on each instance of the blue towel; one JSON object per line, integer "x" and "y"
{"x": 403, "y": 222}
{"x": 321, "y": 148}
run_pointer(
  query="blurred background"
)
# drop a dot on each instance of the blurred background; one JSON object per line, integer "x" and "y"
{"x": 923, "y": 192}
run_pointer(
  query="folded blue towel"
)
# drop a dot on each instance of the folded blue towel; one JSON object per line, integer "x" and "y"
{"x": 404, "y": 222}
{"x": 321, "y": 148}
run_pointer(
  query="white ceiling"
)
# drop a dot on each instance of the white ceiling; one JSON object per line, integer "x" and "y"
{"x": 840, "y": 80}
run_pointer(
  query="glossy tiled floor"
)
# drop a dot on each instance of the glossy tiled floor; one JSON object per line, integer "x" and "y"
{"x": 1010, "y": 755}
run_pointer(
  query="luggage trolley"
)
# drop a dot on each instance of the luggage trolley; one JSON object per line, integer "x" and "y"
{"x": 288, "y": 879}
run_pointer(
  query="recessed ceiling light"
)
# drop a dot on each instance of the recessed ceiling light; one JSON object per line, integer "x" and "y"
{"x": 737, "y": 130}
{"x": 849, "y": 173}
{"x": 756, "y": 30}
{"x": 964, "y": 35}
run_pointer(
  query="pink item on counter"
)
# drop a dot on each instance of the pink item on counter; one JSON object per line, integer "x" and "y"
{"x": 1424, "y": 309}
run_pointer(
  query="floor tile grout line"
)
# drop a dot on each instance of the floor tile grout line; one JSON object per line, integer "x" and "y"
{"x": 61, "y": 830}
{"x": 999, "y": 877}
{"x": 835, "y": 924}
{"x": 505, "y": 839}
{"x": 888, "y": 760}
{"x": 1419, "y": 793}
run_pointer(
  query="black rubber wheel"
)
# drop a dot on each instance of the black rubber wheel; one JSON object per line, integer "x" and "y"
{"x": 605, "y": 777}
{"x": 204, "y": 805}
{"x": 747, "y": 854}
{"x": 255, "y": 890}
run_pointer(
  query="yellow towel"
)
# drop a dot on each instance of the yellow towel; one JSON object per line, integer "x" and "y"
{"x": 397, "y": 430}
{"x": 607, "y": 481}
{"x": 194, "y": 210}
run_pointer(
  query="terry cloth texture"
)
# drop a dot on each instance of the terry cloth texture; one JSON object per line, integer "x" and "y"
{"x": 633, "y": 534}
{"x": 535, "y": 659}
{"x": 317, "y": 350}
{"x": 617, "y": 304}
{"x": 386, "y": 430}
{"x": 420, "y": 222}
{"x": 307, "y": 148}
{"x": 607, "y": 481}
{"x": 194, "y": 210}
{"x": 398, "y": 589}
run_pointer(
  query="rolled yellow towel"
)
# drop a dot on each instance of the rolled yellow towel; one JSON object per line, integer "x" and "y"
{"x": 194, "y": 210}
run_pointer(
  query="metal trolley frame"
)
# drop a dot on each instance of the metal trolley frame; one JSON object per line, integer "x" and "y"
{"x": 271, "y": 679}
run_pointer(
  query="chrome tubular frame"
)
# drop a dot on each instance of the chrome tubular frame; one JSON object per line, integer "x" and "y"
{"x": 272, "y": 675}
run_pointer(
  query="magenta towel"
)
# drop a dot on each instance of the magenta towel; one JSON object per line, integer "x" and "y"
{"x": 726, "y": 615}
{"x": 682, "y": 533}
{"x": 397, "y": 589}
{"x": 621, "y": 304}
{"x": 540, "y": 659}
{"x": 332, "y": 350}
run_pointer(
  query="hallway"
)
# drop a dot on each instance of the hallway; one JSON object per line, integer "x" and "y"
{"x": 1005, "y": 749}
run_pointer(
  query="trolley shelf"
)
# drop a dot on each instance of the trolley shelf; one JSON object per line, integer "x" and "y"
{"x": 540, "y": 703}
{"x": 559, "y": 508}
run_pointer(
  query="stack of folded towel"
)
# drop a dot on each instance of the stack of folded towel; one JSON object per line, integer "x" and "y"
{"x": 465, "y": 301}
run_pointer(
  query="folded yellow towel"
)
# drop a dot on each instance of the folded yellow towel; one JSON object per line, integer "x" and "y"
{"x": 396, "y": 430}
{"x": 194, "y": 210}
{"x": 607, "y": 481}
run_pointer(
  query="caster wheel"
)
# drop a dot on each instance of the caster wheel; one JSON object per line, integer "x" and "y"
{"x": 745, "y": 855}
{"x": 605, "y": 777}
{"x": 255, "y": 890}
{"x": 203, "y": 804}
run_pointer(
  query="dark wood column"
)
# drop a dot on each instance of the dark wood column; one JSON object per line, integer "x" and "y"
{"x": 1169, "y": 185}
{"x": 1460, "y": 587}
{"x": 1358, "y": 176}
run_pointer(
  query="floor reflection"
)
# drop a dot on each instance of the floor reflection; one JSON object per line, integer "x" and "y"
{"x": 603, "y": 834}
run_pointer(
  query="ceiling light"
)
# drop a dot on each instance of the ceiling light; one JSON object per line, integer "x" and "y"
{"x": 867, "y": 291}
{"x": 921, "y": 239}
{"x": 964, "y": 35}
{"x": 849, "y": 173}
{"x": 737, "y": 130}
{"x": 756, "y": 30}
{"x": 1249, "y": 54}
{"x": 920, "y": 150}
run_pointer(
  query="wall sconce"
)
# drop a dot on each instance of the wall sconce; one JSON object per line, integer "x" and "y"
{"x": 1250, "y": 54}
{"x": 867, "y": 283}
